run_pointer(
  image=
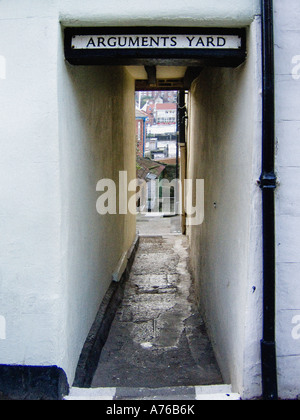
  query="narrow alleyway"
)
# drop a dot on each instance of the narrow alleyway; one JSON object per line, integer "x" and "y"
{"x": 158, "y": 338}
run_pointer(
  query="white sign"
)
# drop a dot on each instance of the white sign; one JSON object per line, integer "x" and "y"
{"x": 108, "y": 42}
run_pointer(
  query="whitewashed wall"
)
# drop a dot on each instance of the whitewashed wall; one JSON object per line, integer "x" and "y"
{"x": 97, "y": 139}
{"x": 62, "y": 129}
{"x": 287, "y": 68}
{"x": 224, "y": 149}
{"x": 167, "y": 13}
{"x": 30, "y": 214}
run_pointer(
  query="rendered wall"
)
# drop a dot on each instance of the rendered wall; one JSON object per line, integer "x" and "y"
{"x": 287, "y": 88}
{"x": 30, "y": 219}
{"x": 62, "y": 130}
{"x": 224, "y": 150}
{"x": 214, "y": 13}
{"x": 97, "y": 138}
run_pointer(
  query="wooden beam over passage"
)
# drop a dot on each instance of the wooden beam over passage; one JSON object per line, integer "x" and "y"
{"x": 151, "y": 73}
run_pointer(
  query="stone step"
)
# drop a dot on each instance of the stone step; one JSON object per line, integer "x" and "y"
{"x": 197, "y": 393}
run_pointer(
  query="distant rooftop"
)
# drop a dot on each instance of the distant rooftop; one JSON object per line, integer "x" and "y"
{"x": 166, "y": 106}
{"x": 140, "y": 114}
{"x": 147, "y": 166}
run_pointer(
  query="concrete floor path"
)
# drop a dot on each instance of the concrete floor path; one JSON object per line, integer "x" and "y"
{"x": 158, "y": 338}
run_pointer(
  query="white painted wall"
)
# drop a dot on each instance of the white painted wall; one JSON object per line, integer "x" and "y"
{"x": 287, "y": 59}
{"x": 30, "y": 217}
{"x": 97, "y": 138}
{"x": 168, "y": 13}
{"x": 224, "y": 149}
{"x": 62, "y": 130}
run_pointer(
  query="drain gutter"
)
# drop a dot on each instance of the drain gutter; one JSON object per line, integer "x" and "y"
{"x": 268, "y": 183}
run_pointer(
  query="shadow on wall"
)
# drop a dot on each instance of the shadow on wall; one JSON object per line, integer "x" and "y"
{"x": 97, "y": 135}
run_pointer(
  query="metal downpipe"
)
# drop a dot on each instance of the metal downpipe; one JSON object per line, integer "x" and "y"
{"x": 268, "y": 184}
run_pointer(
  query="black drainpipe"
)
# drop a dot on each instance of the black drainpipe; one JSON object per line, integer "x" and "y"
{"x": 268, "y": 184}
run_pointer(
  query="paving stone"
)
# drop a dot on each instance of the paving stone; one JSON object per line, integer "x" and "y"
{"x": 158, "y": 338}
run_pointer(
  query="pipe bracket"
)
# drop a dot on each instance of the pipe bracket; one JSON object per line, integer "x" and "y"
{"x": 267, "y": 180}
